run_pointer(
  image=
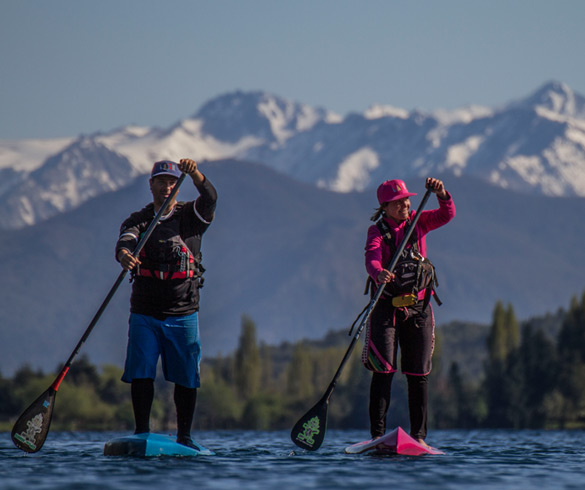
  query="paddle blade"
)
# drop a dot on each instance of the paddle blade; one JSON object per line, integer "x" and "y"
{"x": 309, "y": 431}
{"x": 31, "y": 428}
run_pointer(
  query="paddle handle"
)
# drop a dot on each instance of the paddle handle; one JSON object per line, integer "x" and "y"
{"x": 376, "y": 297}
{"x": 119, "y": 280}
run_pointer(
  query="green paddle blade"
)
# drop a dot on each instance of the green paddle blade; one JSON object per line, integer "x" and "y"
{"x": 31, "y": 428}
{"x": 309, "y": 431}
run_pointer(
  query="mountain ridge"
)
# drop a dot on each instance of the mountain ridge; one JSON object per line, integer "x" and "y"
{"x": 535, "y": 145}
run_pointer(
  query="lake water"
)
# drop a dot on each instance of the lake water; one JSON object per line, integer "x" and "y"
{"x": 268, "y": 460}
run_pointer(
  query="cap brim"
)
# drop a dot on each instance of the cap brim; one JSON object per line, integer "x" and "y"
{"x": 402, "y": 196}
{"x": 164, "y": 173}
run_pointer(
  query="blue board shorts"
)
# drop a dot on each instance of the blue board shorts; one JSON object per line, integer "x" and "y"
{"x": 175, "y": 340}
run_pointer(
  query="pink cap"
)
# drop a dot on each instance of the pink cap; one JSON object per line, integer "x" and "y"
{"x": 391, "y": 190}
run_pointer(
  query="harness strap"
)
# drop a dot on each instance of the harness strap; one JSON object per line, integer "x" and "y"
{"x": 165, "y": 275}
{"x": 186, "y": 269}
{"x": 388, "y": 238}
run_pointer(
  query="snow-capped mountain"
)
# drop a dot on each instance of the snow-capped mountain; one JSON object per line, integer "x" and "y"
{"x": 83, "y": 170}
{"x": 535, "y": 145}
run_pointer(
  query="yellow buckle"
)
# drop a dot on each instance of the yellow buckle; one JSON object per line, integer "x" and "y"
{"x": 404, "y": 300}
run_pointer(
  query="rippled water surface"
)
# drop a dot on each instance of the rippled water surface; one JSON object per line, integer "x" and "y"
{"x": 263, "y": 460}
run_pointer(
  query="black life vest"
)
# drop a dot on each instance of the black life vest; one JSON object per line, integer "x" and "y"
{"x": 167, "y": 255}
{"x": 415, "y": 274}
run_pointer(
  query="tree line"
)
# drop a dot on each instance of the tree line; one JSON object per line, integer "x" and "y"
{"x": 533, "y": 376}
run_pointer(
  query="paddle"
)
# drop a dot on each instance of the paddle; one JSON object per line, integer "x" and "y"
{"x": 309, "y": 431}
{"x": 31, "y": 428}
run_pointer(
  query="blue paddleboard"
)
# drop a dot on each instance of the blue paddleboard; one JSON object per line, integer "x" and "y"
{"x": 144, "y": 445}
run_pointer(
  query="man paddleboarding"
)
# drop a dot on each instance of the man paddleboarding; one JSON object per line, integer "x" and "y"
{"x": 164, "y": 305}
{"x": 403, "y": 316}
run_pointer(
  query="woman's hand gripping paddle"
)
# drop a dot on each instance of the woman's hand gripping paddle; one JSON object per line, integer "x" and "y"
{"x": 32, "y": 427}
{"x": 309, "y": 432}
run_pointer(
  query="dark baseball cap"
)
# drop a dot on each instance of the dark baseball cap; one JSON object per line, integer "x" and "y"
{"x": 165, "y": 167}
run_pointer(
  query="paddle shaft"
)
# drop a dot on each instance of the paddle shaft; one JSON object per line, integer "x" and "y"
{"x": 374, "y": 301}
{"x": 119, "y": 280}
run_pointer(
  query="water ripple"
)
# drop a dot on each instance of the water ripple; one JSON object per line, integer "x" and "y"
{"x": 474, "y": 460}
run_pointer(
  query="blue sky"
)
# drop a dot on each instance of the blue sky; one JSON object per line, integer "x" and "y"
{"x": 78, "y": 66}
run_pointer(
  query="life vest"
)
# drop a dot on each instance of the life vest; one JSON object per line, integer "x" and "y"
{"x": 415, "y": 275}
{"x": 166, "y": 256}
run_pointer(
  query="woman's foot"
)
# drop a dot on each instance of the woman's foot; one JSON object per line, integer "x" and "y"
{"x": 423, "y": 443}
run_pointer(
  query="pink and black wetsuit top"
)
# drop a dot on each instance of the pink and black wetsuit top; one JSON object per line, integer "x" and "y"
{"x": 378, "y": 254}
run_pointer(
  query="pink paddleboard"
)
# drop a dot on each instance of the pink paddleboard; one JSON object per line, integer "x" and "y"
{"x": 395, "y": 442}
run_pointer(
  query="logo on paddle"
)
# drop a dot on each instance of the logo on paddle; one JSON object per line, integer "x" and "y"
{"x": 310, "y": 429}
{"x": 34, "y": 426}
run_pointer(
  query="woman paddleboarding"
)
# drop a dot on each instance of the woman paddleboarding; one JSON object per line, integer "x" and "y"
{"x": 403, "y": 316}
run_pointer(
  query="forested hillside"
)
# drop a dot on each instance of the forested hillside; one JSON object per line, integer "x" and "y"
{"x": 507, "y": 374}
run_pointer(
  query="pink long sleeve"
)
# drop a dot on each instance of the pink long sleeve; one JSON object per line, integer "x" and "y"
{"x": 378, "y": 253}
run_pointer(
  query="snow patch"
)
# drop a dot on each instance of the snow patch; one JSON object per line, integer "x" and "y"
{"x": 530, "y": 168}
{"x": 576, "y": 135}
{"x": 27, "y": 212}
{"x": 462, "y": 115}
{"x": 318, "y": 146}
{"x": 457, "y": 155}
{"x": 277, "y": 118}
{"x": 29, "y": 154}
{"x": 354, "y": 171}
{"x": 307, "y": 118}
{"x": 333, "y": 118}
{"x": 568, "y": 161}
{"x": 185, "y": 141}
{"x": 380, "y": 111}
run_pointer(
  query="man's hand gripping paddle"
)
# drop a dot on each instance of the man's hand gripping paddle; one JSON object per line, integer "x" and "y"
{"x": 32, "y": 427}
{"x": 309, "y": 431}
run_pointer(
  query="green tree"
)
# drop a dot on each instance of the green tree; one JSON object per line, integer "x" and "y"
{"x": 247, "y": 367}
{"x": 497, "y": 341}
{"x": 571, "y": 338}
{"x": 80, "y": 408}
{"x": 501, "y": 389}
{"x": 538, "y": 358}
{"x": 456, "y": 404}
{"x": 266, "y": 372}
{"x": 512, "y": 329}
{"x": 218, "y": 406}
{"x": 110, "y": 388}
{"x": 8, "y": 404}
{"x": 571, "y": 351}
{"x": 24, "y": 375}
{"x": 82, "y": 372}
{"x": 354, "y": 393}
{"x": 300, "y": 384}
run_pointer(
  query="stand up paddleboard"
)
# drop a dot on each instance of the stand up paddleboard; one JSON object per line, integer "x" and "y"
{"x": 144, "y": 445}
{"x": 395, "y": 442}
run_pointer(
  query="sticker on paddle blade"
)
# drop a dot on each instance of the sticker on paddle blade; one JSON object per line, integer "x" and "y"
{"x": 309, "y": 431}
{"x": 31, "y": 429}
